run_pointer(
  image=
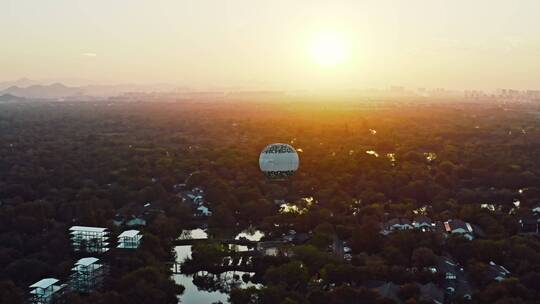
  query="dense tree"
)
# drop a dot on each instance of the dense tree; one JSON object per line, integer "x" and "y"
{"x": 80, "y": 164}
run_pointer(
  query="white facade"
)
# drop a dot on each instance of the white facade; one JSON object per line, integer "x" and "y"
{"x": 89, "y": 239}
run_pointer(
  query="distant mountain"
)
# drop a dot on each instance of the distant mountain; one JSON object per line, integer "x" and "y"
{"x": 11, "y": 98}
{"x": 114, "y": 90}
{"x": 59, "y": 90}
{"x": 22, "y": 82}
{"x": 53, "y": 91}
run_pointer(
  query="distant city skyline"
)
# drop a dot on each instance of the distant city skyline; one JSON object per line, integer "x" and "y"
{"x": 276, "y": 45}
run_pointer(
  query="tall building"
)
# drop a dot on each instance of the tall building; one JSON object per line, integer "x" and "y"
{"x": 46, "y": 291}
{"x": 87, "y": 275}
{"x": 89, "y": 239}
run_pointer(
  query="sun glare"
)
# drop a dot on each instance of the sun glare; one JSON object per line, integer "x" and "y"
{"x": 329, "y": 49}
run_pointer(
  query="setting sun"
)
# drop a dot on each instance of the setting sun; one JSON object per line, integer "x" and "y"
{"x": 329, "y": 49}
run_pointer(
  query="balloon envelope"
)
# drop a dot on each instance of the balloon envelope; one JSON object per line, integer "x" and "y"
{"x": 278, "y": 160}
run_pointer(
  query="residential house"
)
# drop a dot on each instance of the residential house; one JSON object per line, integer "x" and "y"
{"x": 457, "y": 226}
{"x": 423, "y": 223}
{"x": 396, "y": 224}
{"x": 133, "y": 215}
{"x": 203, "y": 211}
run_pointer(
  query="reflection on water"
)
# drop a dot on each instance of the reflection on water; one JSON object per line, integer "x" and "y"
{"x": 291, "y": 208}
{"x": 197, "y": 234}
{"x": 299, "y": 207}
{"x": 203, "y": 287}
{"x": 371, "y": 152}
{"x": 430, "y": 156}
{"x": 250, "y": 234}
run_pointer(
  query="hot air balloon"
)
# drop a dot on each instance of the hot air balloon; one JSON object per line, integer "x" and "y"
{"x": 278, "y": 161}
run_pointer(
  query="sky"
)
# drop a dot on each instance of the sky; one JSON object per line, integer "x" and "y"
{"x": 258, "y": 44}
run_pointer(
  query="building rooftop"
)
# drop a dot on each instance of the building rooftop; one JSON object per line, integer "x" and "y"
{"x": 452, "y": 225}
{"x": 129, "y": 233}
{"x": 44, "y": 283}
{"x": 86, "y": 261}
{"x": 89, "y": 229}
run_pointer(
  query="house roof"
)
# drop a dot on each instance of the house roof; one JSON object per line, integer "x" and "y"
{"x": 457, "y": 224}
{"x": 398, "y": 221}
{"x": 47, "y": 282}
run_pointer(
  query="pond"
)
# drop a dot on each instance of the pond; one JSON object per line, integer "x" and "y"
{"x": 219, "y": 285}
{"x": 196, "y": 234}
{"x": 250, "y": 234}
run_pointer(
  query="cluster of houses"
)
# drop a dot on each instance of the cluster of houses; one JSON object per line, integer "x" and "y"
{"x": 455, "y": 283}
{"x": 88, "y": 272}
{"x": 195, "y": 198}
{"x": 134, "y": 215}
{"x": 424, "y": 223}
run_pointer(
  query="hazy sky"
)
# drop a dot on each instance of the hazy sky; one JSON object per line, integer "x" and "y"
{"x": 266, "y": 44}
